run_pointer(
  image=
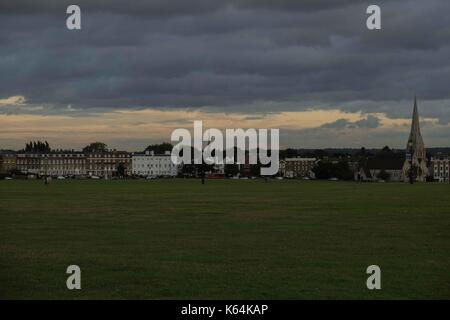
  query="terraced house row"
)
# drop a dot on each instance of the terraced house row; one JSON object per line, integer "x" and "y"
{"x": 68, "y": 163}
{"x": 77, "y": 163}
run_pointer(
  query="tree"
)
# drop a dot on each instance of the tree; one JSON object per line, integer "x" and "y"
{"x": 323, "y": 170}
{"x": 188, "y": 170}
{"x": 37, "y": 146}
{"x": 327, "y": 170}
{"x": 361, "y": 153}
{"x": 121, "y": 170}
{"x": 159, "y": 148}
{"x": 255, "y": 169}
{"x": 95, "y": 147}
{"x": 342, "y": 170}
{"x": 320, "y": 154}
{"x": 231, "y": 169}
{"x": 362, "y": 156}
{"x": 288, "y": 153}
{"x": 383, "y": 175}
{"x": 386, "y": 150}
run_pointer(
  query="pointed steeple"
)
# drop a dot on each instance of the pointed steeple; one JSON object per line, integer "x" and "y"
{"x": 415, "y": 126}
{"x": 415, "y": 144}
{"x": 415, "y": 166}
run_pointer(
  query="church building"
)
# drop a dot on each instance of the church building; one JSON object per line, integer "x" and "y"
{"x": 415, "y": 166}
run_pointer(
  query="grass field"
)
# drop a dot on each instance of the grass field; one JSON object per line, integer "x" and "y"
{"x": 178, "y": 239}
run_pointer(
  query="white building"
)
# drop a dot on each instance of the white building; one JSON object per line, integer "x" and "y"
{"x": 439, "y": 167}
{"x": 150, "y": 164}
{"x": 298, "y": 167}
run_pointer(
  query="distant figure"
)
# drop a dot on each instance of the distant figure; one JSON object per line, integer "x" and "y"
{"x": 203, "y": 175}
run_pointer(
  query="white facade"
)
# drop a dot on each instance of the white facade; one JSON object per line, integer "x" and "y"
{"x": 149, "y": 164}
{"x": 298, "y": 167}
{"x": 440, "y": 168}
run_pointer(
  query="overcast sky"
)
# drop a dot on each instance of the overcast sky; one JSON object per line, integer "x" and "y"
{"x": 138, "y": 69}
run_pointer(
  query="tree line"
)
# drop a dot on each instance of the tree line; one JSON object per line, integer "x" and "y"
{"x": 37, "y": 146}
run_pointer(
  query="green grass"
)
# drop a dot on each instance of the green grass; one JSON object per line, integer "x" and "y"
{"x": 178, "y": 239}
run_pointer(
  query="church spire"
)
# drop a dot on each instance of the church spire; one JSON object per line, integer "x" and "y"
{"x": 415, "y": 126}
{"x": 415, "y": 144}
{"x": 415, "y": 166}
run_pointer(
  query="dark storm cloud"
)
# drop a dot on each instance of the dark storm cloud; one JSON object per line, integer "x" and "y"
{"x": 247, "y": 55}
{"x": 169, "y": 7}
{"x": 371, "y": 122}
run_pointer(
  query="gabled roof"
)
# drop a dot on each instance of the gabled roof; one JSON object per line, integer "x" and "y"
{"x": 366, "y": 172}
